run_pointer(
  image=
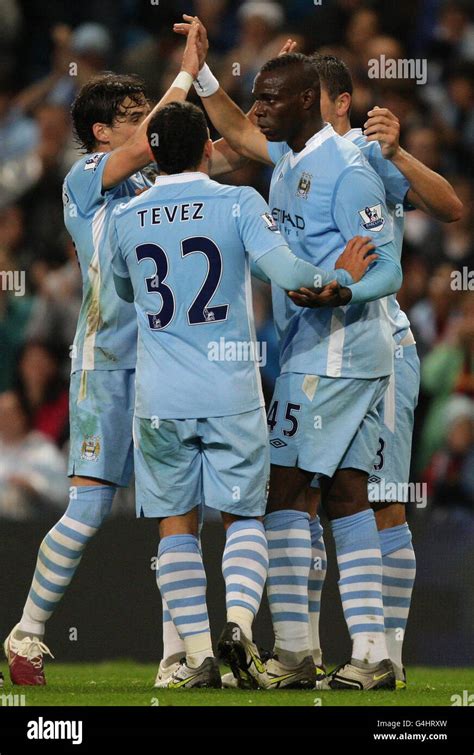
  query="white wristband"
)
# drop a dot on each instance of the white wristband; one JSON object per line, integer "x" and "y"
{"x": 183, "y": 81}
{"x": 206, "y": 83}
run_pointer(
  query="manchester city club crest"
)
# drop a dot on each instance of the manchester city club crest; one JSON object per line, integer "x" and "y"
{"x": 90, "y": 448}
{"x": 372, "y": 218}
{"x": 304, "y": 186}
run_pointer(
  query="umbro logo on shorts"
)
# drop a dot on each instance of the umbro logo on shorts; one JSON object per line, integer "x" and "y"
{"x": 374, "y": 478}
{"x": 277, "y": 443}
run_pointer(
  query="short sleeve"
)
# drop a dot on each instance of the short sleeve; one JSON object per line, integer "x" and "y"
{"x": 359, "y": 207}
{"x": 257, "y": 229}
{"x": 84, "y": 183}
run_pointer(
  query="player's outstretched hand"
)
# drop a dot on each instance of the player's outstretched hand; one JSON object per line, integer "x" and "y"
{"x": 192, "y": 53}
{"x": 201, "y": 40}
{"x": 289, "y": 46}
{"x": 384, "y": 127}
{"x": 332, "y": 295}
{"x": 356, "y": 257}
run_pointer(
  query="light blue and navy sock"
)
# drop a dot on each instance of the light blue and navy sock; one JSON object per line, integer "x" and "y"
{"x": 289, "y": 551}
{"x": 182, "y": 583}
{"x": 317, "y": 576}
{"x": 61, "y": 551}
{"x": 173, "y": 645}
{"x": 245, "y": 568}
{"x": 399, "y": 569}
{"x": 360, "y": 583}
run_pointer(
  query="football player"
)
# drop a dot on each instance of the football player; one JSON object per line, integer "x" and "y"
{"x": 181, "y": 252}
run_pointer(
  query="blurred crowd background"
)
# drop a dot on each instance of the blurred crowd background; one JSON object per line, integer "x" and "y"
{"x": 49, "y": 49}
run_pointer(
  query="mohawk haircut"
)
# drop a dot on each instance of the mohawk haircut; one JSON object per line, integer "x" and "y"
{"x": 100, "y": 100}
{"x": 308, "y": 75}
{"x": 334, "y": 75}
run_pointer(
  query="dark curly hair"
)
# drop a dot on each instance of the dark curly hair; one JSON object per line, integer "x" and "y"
{"x": 101, "y": 101}
{"x": 177, "y": 134}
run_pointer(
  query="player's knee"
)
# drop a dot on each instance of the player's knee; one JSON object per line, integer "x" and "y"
{"x": 90, "y": 504}
{"x": 229, "y": 519}
{"x": 389, "y": 515}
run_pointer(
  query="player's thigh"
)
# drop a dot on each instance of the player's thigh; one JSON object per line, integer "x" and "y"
{"x": 314, "y": 419}
{"x": 235, "y": 463}
{"x": 389, "y": 477}
{"x": 345, "y": 493}
{"x": 101, "y": 414}
{"x": 361, "y": 416}
{"x": 168, "y": 476}
{"x": 288, "y": 489}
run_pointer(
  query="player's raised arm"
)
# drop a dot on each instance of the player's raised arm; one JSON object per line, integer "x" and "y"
{"x": 135, "y": 153}
{"x": 225, "y": 159}
{"x": 428, "y": 191}
{"x": 242, "y": 135}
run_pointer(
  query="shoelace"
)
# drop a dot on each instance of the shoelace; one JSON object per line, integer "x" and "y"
{"x": 32, "y": 650}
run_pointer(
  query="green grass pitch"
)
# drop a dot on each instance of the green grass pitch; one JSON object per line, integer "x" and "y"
{"x": 131, "y": 684}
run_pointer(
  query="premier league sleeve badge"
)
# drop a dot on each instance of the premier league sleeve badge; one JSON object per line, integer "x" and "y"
{"x": 372, "y": 219}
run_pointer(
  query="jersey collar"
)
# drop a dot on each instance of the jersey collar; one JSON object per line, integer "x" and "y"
{"x": 353, "y": 134}
{"x": 327, "y": 132}
{"x": 180, "y": 178}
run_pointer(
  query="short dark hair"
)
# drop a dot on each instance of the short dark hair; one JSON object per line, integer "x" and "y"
{"x": 177, "y": 134}
{"x": 334, "y": 74}
{"x": 101, "y": 101}
{"x": 309, "y": 75}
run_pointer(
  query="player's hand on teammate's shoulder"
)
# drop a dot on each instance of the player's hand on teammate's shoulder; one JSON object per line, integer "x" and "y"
{"x": 384, "y": 127}
{"x": 356, "y": 257}
{"x": 332, "y": 295}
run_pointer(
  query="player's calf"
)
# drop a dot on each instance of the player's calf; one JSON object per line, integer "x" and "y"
{"x": 182, "y": 582}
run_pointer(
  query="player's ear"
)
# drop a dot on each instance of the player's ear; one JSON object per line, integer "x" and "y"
{"x": 309, "y": 98}
{"x": 343, "y": 103}
{"x": 101, "y": 133}
{"x": 208, "y": 149}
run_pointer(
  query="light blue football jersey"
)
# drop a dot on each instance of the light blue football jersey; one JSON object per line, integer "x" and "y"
{"x": 396, "y": 187}
{"x": 320, "y": 198}
{"x": 186, "y": 245}
{"x": 106, "y": 332}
